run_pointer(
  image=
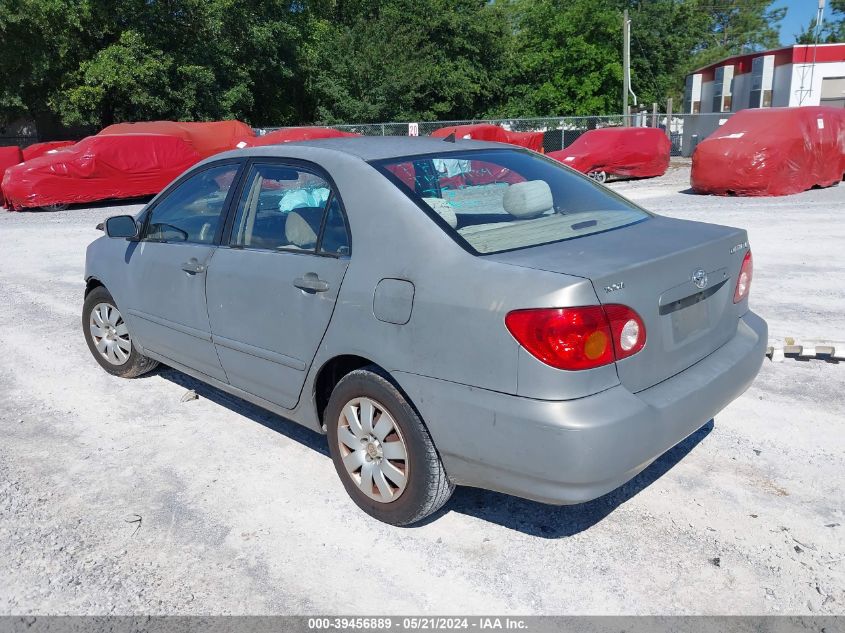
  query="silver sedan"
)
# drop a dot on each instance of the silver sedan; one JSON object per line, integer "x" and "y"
{"x": 448, "y": 313}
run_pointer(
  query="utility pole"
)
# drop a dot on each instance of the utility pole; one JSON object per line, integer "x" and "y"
{"x": 626, "y": 61}
{"x": 669, "y": 118}
{"x": 626, "y": 67}
{"x": 819, "y": 23}
{"x": 803, "y": 93}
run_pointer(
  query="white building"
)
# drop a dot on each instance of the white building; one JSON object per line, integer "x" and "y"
{"x": 792, "y": 76}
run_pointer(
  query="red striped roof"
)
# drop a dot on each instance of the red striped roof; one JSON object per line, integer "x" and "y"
{"x": 797, "y": 54}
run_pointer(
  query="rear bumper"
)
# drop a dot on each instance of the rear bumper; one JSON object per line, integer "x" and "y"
{"x": 565, "y": 452}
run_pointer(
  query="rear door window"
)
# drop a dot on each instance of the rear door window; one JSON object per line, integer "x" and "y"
{"x": 498, "y": 200}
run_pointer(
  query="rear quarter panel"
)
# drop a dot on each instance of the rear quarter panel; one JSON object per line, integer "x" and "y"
{"x": 456, "y": 331}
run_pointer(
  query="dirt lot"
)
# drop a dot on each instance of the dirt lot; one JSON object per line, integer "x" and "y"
{"x": 116, "y": 497}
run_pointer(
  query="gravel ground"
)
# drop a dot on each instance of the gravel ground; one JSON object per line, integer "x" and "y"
{"x": 118, "y": 498}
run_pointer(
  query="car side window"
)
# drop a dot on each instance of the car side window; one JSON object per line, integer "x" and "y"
{"x": 192, "y": 212}
{"x": 335, "y": 240}
{"x": 281, "y": 208}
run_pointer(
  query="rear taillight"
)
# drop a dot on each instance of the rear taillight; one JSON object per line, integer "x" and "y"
{"x": 743, "y": 282}
{"x": 628, "y": 330}
{"x": 578, "y": 338}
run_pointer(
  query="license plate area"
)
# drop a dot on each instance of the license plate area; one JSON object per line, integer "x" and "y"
{"x": 689, "y": 321}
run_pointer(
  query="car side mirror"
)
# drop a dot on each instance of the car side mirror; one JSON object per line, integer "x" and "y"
{"x": 122, "y": 226}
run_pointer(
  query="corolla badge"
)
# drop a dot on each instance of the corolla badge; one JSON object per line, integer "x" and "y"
{"x": 739, "y": 247}
{"x": 699, "y": 278}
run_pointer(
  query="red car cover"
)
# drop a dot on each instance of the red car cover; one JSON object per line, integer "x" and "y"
{"x": 207, "y": 138}
{"x": 476, "y": 132}
{"x": 484, "y": 173}
{"x": 638, "y": 152}
{"x": 99, "y": 168}
{"x": 39, "y": 149}
{"x": 479, "y": 173}
{"x": 772, "y": 152}
{"x": 495, "y": 133}
{"x": 291, "y": 134}
{"x": 531, "y": 140}
{"x": 9, "y": 156}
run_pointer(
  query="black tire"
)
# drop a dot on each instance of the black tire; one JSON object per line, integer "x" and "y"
{"x": 136, "y": 364}
{"x": 427, "y": 487}
{"x": 52, "y": 208}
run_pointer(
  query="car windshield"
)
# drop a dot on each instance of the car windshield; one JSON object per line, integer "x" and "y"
{"x": 502, "y": 199}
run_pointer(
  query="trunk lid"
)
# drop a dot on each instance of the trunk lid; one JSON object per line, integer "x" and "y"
{"x": 650, "y": 267}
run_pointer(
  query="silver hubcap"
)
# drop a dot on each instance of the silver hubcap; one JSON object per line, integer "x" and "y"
{"x": 110, "y": 334}
{"x": 373, "y": 449}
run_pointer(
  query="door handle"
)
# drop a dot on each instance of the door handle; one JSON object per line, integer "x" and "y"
{"x": 193, "y": 267}
{"x": 311, "y": 283}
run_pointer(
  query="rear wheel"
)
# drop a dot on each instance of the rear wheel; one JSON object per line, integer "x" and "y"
{"x": 55, "y": 207}
{"x": 598, "y": 176}
{"x": 108, "y": 337}
{"x": 382, "y": 450}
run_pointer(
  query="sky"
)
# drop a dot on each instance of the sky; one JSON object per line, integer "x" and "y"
{"x": 798, "y": 16}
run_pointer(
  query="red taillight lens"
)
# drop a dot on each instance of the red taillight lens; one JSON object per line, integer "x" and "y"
{"x": 743, "y": 282}
{"x": 578, "y": 338}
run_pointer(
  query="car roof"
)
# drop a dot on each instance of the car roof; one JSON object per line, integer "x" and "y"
{"x": 371, "y": 148}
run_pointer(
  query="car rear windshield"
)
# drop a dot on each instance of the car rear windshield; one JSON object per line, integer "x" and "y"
{"x": 499, "y": 200}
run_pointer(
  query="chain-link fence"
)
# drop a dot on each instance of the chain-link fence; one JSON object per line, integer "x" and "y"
{"x": 684, "y": 130}
{"x": 20, "y": 141}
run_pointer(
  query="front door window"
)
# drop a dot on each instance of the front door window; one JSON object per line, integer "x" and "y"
{"x": 192, "y": 212}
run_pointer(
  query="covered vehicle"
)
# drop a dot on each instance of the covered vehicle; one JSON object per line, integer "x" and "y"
{"x": 292, "y": 134}
{"x": 206, "y": 137}
{"x": 530, "y": 140}
{"x": 476, "y": 172}
{"x": 495, "y": 133}
{"x": 9, "y": 156}
{"x": 545, "y": 338}
{"x": 99, "y": 168}
{"x": 39, "y": 149}
{"x": 772, "y": 152}
{"x": 634, "y": 152}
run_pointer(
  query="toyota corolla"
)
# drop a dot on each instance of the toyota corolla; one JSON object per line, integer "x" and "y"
{"x": 447, "y": 313}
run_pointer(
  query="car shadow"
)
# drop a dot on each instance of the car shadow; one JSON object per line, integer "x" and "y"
{"x": 313, "y": 440}
{"x": 528, "y": 517}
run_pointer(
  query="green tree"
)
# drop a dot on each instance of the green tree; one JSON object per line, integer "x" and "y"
{"x": 566, "y": 54}
{"x": 41, "y": 41}
{"x": 379, "y": 61}
{"x": 190, "y": 59}
{"x": 565, "y": 58}
{"x": 95, "y": 62}
{"x": 664, "y": 34}
{"x": 277, "y": 62}
{"x": 737, "y": 26}
{"x": 832, "y": 29}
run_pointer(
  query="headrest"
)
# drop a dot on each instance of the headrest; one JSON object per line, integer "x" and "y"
{"x": 298, "y": 232}
{"x": 444, "y": 210}
{"x": 528, "y": 199}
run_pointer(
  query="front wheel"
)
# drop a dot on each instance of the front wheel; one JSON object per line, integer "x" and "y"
{"x": 382, "y": 450}
{"x": 108, "y": 337}
{"x": 598, "y": 176}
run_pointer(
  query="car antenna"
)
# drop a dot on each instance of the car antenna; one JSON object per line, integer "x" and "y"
{"x": 450, "y": 138}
